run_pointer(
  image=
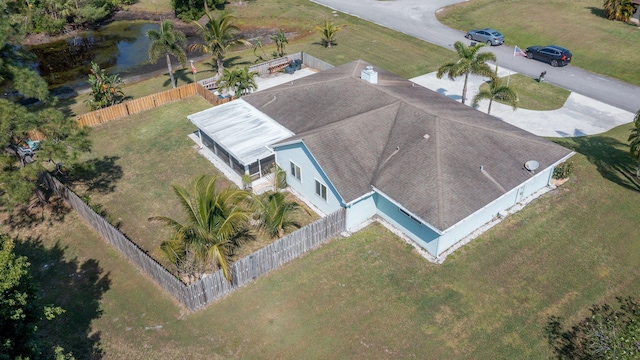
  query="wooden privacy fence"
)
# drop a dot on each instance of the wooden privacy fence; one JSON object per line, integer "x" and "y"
{"x": 147, "y": 103}
{"x": 213, "y": 286}
{"x": 261, "y": 262}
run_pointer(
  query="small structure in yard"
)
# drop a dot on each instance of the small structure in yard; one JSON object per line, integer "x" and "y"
{"x": 427, "y": 166}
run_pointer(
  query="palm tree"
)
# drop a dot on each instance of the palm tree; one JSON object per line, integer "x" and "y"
{"x": 280, "y": 39}
{"x": 496, "y": 91}
{"x": 218, "y": 37}
{"x": 167, "y": 41}
{"x": 241, "y": 81}
{"x": 328, "y": 31}
{"x": 619, "y": 9}
{"x": 470, "y": 62}
{"x": 276, "y": 213}
{"x": 214, "y": 221}
{"x": 634, "y": 141}
{"x": 256, "y": 46}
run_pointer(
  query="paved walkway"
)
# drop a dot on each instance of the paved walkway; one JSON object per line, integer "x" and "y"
{"x": 579, "y": 116}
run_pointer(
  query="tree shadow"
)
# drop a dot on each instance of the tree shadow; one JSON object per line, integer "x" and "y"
{"x": 599, "y": 12}
{"x": 76, "y": 286}
{"x": 36, "y": 213}
{"x": 610, "y": 156}
{"x": 98, "y": 175}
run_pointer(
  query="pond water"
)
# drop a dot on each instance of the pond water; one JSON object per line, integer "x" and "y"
{"x": 120, "y": 47}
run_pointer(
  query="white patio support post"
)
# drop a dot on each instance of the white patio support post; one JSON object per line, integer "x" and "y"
{"x": 200, "y": 138}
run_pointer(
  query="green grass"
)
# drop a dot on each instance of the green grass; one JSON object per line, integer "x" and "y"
{"x": 370, "y": 295}
{"x": 598, "y": 45}
{"x": 533, "y": 95}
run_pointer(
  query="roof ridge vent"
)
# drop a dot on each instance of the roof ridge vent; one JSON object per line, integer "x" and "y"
{"x": 369, "y": 75}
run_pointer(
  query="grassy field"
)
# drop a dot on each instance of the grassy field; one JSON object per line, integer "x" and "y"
{"x": 598, "y": 45}
{"x": 370, "y": 295}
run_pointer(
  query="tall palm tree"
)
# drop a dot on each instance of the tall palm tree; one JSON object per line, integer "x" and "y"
{"x": 218, "y": 37}
{"x": 470, "y": 62}
{"x": 167, "y": 41}
{"x": 328, "y": 32}
{"x": 496, "y": 91}
{"x": 619, "y": 9}
{"x": 241, "y": 81}
{"x": 214, "y": 221}
{"x": 280, "y": 38}
{"x": 634, "y": 141}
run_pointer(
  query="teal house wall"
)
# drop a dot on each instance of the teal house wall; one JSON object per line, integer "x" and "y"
{"x": 310, "y": 171}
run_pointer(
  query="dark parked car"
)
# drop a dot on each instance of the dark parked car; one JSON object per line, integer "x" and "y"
{"x": 488, "y": 36}
{"x": 553, "y": 54}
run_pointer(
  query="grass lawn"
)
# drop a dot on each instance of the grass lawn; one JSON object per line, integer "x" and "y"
{"x": 598, "y": 45}
{"x": 370, "y": 295}
{"x": 533, "y": 95}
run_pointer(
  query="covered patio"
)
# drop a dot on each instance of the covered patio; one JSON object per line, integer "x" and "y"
{"x": 239, "y": 135}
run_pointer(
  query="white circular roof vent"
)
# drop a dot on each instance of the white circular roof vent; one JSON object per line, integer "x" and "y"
{"x": 531, "y": 165}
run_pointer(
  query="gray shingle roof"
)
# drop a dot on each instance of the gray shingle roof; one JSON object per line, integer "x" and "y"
{"x": 419, "y": 147}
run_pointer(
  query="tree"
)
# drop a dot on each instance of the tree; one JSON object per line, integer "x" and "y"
{"x": 634, "y": 141}
{"x": 20, "y": 308}
{"x": 496, "y": 91}
{"x": 256, "y": 46}
{"x": 218, "y": 36}
{"x": 61, "y": 138}
{"x": 280, "y": 38}
{"x": 470, "y": 61}
{"x": 167, "y": 41}
{"x": 215, "y": 221}
{"x": 106, "y": 89}
{"x": 608, "y": 333}
{"x": 276, "y": 213}
{"x": 328, "y": 32}
{"x": 241, "y": 81}
{"x": 621, "y": 10}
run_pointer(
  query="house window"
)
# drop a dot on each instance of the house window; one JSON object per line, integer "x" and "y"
{"x": 321, "y": 190}
{"x": 295, "y": 171}
{"x": 410, "y": 216}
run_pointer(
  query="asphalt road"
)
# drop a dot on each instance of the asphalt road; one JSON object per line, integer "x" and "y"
{"x": 417, "y": 18}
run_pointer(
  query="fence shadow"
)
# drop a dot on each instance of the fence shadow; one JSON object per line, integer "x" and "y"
{"x": 76, "y": 286}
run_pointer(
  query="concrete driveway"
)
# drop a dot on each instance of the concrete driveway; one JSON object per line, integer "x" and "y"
{"x": 579, "y": 116}
{"x": 417, "y": 18}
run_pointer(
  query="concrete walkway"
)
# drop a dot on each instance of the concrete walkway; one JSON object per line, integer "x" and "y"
{"x": 579, "y": 116}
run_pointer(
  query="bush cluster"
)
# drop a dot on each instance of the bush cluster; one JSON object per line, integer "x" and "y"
{"x": 562, "y": 171}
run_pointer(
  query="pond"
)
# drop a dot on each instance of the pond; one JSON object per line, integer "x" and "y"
{"x": 120, "y": 47}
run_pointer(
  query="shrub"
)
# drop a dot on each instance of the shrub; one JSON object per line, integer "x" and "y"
{"x": 562, "y": 171}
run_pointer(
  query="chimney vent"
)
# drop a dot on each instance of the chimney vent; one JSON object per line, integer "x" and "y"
{"x": 370, "y": 75}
